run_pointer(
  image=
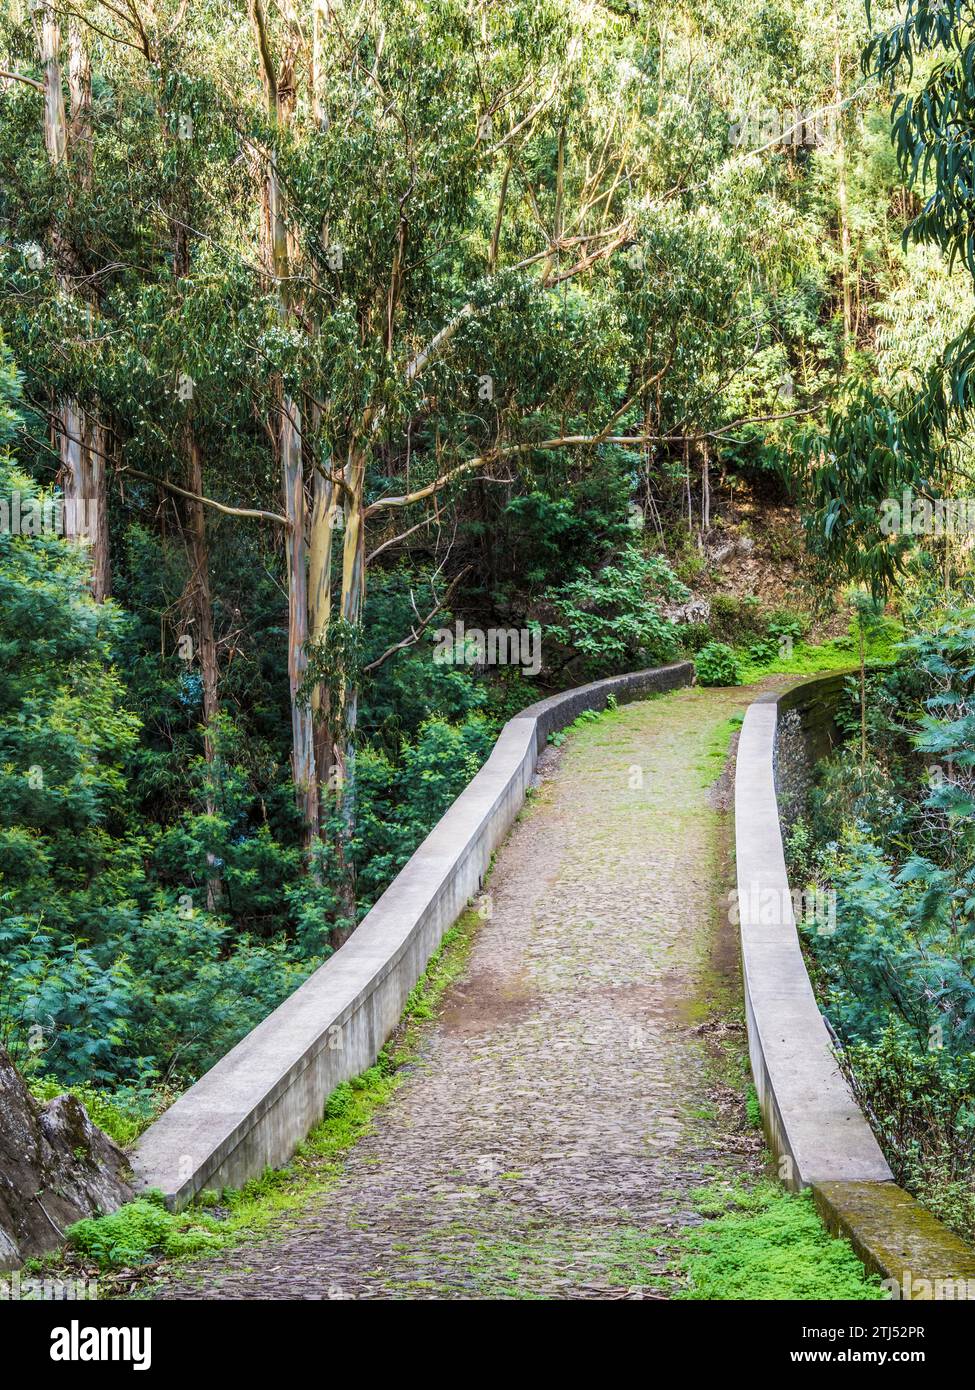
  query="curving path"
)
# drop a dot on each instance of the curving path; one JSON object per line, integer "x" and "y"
{"x": 578, "y": 1086}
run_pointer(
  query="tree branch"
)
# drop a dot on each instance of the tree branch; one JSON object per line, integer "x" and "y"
{"x": 27, "y": 81}
{"x": 254, "y": 512}
{"x": 417, "y": 632}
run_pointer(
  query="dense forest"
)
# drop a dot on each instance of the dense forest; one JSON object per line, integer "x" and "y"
{"x": 370, "y": 370}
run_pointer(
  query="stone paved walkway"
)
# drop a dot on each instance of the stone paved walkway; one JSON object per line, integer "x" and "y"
{"x": 570, "y": 1099}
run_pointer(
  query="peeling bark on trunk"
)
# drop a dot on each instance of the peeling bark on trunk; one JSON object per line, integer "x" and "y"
{"x": 97, "y": 485}
{"x": 296, "y": 552}
{"x": 280, "y": 89}
{"x": 55, "y": 121}
{"x": 201, "y": 607}
{"x": 353, "y": 594}
{"x": 324, "y": 517}
{"x": 81, "y": 440}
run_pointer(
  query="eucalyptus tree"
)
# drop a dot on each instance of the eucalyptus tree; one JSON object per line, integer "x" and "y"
{"x": 912, "y": 433}
{"x": 352, "y": 263}
{"x": 79, "y": 435}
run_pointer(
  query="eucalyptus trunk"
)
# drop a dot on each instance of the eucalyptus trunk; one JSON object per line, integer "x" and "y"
{"x": 80, "y": 440}
{"x": 279, "y": 84}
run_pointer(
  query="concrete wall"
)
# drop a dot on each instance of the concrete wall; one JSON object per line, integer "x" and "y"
{"x": 815, "y": 1129}
{"x": 251, "y": 1110}
{"x": 813, "y": 1125}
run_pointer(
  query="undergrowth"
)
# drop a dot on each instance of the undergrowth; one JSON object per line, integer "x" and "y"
{"x": 763, "y": 1244}
{"x": 122, "y": 1114}
{"x": 808, "y": 659}
{"x": 144, "y": 1230}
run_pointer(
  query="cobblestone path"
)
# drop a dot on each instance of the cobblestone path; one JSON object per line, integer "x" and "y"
{"x": 571, "y": 1097}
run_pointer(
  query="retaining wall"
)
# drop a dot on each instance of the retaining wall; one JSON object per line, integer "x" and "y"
{"x": 811, "y": 1119}
{"x": 815, "y": 1129}
{"x": 251, "y": 1110}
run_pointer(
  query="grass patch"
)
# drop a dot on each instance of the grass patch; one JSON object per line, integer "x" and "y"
{"x": 767, "y": 1244}
{"x": 714, "y": 753}
{"x": 757, "y": 1243}
{"x": 809, "y": 659}
{"x": 752, "y": 1108}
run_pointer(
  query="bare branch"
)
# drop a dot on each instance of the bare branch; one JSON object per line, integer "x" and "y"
{"x": 18, "y": 77}
{"x": 417, "y": 632}
{"x": 254, "y": 512}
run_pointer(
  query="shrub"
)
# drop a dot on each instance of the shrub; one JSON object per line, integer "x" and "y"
{"x": 922, "y": 1104}
{"x": 612, "y": 619}
{"x": 735, "y": 619}
{"x": 128, "y": 1236}
{"x": 716, "y": 664}
{"x": 142, "y": 1230}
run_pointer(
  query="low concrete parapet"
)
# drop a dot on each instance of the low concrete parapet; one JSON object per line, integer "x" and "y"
{"x": 918, "y": 1259}
{"x": 251, "y": 1110}
{"x": 816, "y": 1131}
{"x": 813, "y": 1125}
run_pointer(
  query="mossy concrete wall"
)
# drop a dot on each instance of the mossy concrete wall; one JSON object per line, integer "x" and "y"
{"x": 252, "y": 1109}
{"x": 817, "y": 1134}
{"x": 814, "y": 1127}
{"x": 918, "y": 1258}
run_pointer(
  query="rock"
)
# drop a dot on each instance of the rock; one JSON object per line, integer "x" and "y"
{"x": 55, "y": 1168}
{"x": 695, "y": 610}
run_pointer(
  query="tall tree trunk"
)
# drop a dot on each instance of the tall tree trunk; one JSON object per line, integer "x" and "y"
{"x": 842, "y": 197}
{"x": 80, "y": 441}
{"x": 93, "y": 434}
{"x": 280, "y": 90}
{"x": 97, "y": 521}
{"x": 353, "y": 595}
{"x": 344, "y": 720}
{"x": 324, "y": 518}
{"x": 201, "y": 607}
{"x": 55, "y": 121}
{"x": 296, "y": 552}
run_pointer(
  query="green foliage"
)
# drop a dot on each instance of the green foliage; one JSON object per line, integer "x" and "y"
{"x": 895, "y": 840}
{"x": 772, "y": 1245}
{"x": 922, "y": 1106}
{"x": 717, "y": 664}
{"x": 142, "y": 1230}
{"x": 156, "y": 892}
{"x": 734, "y": 619}
{"x": 782, "y": 632}
{"x": 612, "y": 621}
{"x": 753, "y": 1109}
{"x": 904, "y": 862}
{"x": 123, "y": 1113}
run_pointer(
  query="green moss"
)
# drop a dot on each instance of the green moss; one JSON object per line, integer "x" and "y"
{"x": 765, "y": 1244}
{"x": 713, "y": 755}
{"x": 752, "y": 1108}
